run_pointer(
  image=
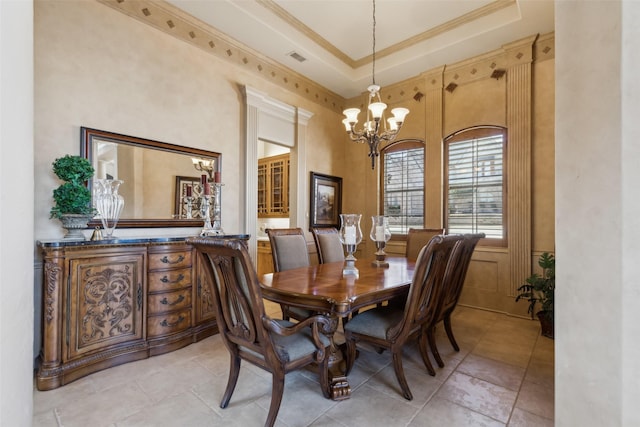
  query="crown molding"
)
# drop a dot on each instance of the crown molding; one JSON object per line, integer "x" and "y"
{"x": 176, "y": 23}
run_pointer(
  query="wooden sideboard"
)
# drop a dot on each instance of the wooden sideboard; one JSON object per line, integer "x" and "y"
{"x": 110, "y": 302}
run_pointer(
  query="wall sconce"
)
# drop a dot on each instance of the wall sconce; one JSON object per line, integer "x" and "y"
{"x": 204, "y": 165}
{"x": 451, "y": 87}
{"x": 498, "y": 73}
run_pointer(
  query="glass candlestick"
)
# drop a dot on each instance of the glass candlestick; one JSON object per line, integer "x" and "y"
{"x": 109, "y": 204}
{"x": 217, "y": 207}
{"x": 380, "y": 234}
{"x": 350, "y": 236}
{"x": 211, "y": 209}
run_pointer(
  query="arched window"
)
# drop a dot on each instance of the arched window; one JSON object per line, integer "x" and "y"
{"x": 475, "y": 183}
{"x": 402, "y": 184}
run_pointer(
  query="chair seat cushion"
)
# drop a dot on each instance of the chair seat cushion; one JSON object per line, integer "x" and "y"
{"x": 295, "y": 346}
{"x": 375, "y": 322}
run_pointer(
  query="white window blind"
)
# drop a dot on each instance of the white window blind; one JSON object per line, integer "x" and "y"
{"x": 475, "y": 188}
{"x": 403, "y": 182}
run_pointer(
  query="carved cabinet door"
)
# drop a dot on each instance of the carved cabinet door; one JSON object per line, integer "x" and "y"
{"x": 106, "y": 299}
{"x": 205, "y": 302}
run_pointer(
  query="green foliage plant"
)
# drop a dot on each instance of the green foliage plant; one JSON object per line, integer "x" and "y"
{"x": 72, "y": 197}
{"x": 540, "y": 288}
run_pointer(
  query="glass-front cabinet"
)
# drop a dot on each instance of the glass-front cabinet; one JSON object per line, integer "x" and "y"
{"x": 273, "y": 186}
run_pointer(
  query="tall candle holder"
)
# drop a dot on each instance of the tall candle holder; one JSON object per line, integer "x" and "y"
{"x": 217, "y": 207}
{"x": 211, "y": 204}
{"x": 380, "y": 234}
{"x": 350, "y": 236}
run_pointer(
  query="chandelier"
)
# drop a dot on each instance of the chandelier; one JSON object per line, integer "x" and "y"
{"x": 375, "y": 129}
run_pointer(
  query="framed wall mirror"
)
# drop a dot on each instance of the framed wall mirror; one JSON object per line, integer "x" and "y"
{"x": 148, "y": 170}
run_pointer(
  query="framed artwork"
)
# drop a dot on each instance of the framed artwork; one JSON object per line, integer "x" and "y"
{"x": 326, "y": 201}
{"x": 184, "y": 185}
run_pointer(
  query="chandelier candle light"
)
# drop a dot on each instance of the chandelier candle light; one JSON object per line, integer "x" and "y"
{"x": 375, "y": 129}
{"x": 380, "y": 234}
{"x": 350, "y": 236}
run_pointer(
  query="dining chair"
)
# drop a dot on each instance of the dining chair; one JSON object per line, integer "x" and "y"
{"x": 289, "y": 251}
{"x": 328, "y": 244}
{"x": 275, "y": 345}
{"x": 452, "y": 289}
{"x": 417, "y": 238}
{"x": 391, "y": 326}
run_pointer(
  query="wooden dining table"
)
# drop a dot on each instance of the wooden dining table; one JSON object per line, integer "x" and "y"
{"x": 324, "y": 289}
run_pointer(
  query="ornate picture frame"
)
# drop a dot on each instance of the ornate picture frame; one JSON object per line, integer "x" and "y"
{"x": 325, "y": 201}
{"x": 180, "y": 206}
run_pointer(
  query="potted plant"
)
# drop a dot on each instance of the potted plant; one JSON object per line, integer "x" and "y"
{"x": 73, "y": 198}
{"x": 540, "y": 289}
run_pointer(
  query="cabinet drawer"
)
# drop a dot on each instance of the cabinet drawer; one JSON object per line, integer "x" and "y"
{"x": 161, "y": 261}
{"x": 169, "y": 280}
{"x": 168, "y": 323}
{"x": 167, "y": 301}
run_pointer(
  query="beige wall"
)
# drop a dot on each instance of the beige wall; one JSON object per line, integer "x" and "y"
{"x": 479, "y": 99}
{"x": 16, "y": 213}
{"x": 98, "y": 68}
{"x": 598, "y": 211}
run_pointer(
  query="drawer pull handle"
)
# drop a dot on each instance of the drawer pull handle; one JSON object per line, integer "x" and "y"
{"x": 170, "y": 325}
{"x": 166, "y": 302}
{"x": 166, "y": 260}
{"x": 166, "y": 279}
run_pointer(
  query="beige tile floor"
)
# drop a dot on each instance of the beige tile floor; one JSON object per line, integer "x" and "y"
{"x": 502, "y": 376}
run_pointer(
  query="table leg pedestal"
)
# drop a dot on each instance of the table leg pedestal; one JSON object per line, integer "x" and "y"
{"x": 338, "y": 384}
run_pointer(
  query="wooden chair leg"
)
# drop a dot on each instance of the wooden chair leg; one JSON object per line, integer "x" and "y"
{"x": 397, "y": 366}
{"x": 285, "y": 312}
{"x": 277, "y": 389}
{"x": 234, "y": 371}
{"x": 422, "y": 343}
{"x": 447, "y": 327}
{"x": 434, "y": 348}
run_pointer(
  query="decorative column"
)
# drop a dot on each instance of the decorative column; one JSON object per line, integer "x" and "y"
{"x": 433, "y": 148}
{"x": 520, "y": 58}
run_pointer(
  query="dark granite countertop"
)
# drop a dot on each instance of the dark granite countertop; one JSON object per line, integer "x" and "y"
{"x": 128, "y": 240}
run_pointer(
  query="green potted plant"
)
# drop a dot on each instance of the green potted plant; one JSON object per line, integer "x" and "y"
{"x": 73, "y": 198}
{"x": 540, "y": 288}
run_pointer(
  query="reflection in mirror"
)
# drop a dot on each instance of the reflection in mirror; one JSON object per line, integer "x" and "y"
{"x": 152, "y": 172}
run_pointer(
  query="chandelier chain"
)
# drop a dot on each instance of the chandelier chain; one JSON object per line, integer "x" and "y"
{"x": 375, "y": 130}
{"x": 373, "y": 62}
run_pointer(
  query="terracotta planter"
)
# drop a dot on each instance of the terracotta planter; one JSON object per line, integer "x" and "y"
{"x": 546, "y": 324}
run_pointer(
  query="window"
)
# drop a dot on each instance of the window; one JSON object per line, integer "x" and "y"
{"x": 475, "y": 184}
{"x": 402, "y": 178}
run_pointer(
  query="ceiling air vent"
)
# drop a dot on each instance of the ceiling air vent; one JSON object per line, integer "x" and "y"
{"x": 297, "y": 56}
